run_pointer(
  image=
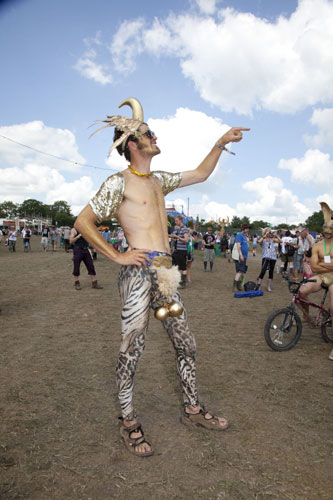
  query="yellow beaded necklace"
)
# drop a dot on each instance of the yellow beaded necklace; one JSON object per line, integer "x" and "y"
{"x": 139, "y": 173}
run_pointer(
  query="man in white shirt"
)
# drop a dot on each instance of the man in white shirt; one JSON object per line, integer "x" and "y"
{"x": 286, "y": 239}
{"x": 301, "y": 243}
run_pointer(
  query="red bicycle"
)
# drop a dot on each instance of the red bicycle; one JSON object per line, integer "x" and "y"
{"x": 283, "y": 327}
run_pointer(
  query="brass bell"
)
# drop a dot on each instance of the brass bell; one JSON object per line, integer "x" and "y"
{"x": 175, "y": 309}
{"x": 161, "y": 313}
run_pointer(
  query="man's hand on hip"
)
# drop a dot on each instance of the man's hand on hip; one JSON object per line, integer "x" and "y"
{"x": 137, "y": 257}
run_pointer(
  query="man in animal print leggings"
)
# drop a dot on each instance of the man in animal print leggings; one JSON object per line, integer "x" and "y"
{"x": 136, "y": 198}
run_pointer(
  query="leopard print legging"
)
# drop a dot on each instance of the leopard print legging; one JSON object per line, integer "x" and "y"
{"x": 139, "y": 292}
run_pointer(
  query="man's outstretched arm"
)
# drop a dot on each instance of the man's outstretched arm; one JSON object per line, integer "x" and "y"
{"x": 206, "y": 167}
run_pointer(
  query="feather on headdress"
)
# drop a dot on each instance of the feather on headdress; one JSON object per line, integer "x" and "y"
{"x": 128, "y": 126}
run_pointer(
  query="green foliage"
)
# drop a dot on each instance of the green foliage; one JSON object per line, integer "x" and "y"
{"x": 171, "y": 220}
{"x": 59, "y": 212}
{"x": 63, "y": 219}
{"x": 236, "y": 222}
{"x": 245, "y": 220}
{"x": 258, "y": 224}
{"x": 9, "y": 209}
{"x": 315, "y": 221}
{"x": 32, "y": 208}
{"x": 61, "y": 206}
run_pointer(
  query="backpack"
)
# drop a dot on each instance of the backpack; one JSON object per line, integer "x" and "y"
{"x": 290, "y": 250}
{"x": 250, "y": 286}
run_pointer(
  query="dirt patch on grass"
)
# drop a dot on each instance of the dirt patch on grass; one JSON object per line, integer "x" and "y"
{"x": 59, "y": 408}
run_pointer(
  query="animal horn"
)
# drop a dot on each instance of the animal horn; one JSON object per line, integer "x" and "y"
{"x": 326, "y": 211}
{"x": 137, "y": 109}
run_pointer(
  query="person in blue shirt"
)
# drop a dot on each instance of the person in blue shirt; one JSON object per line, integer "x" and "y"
{"x": 242, "y": 243}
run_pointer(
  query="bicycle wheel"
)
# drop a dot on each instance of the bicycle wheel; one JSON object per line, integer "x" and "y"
{"x": 283, "y": 329}
{"x": 326, "y": 329}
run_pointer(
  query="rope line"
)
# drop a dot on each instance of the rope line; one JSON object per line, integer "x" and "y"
{"x": 53, "y": 156}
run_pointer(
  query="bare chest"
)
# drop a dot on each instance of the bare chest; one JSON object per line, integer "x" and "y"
{"x": 144, "y": 193}
{"x": 325, "y": 249}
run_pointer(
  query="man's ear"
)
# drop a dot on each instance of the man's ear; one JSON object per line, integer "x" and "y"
{"x": 132, "y": 146}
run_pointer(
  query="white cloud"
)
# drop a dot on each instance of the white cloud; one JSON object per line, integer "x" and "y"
{"x": 273, "y": 202}
{"x": 96, "y": 40}
{"x": 55, "y": 141}
{"x": 25, "y": 173}
{"x": 206, "y": 6}
{"x": 323, "y": 119}
{"x": 240, "y": 62}
{"x": 212, "y": 210}
{"x": 314, "y": 169}
{"x": 127, "y": 44}
{"x": 88, "y": 68}
{"x": 184, "y": 139}
{"x": 158, "y": 40}
{"x": 75, "y": 193}
{"x": 34, "y": 181}
{"x": 17, "y": 184}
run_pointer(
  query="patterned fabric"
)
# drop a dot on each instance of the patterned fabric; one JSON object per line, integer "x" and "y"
{"x": 107, "y": 200}
{"x": 181, "y": 245}
{"x": 139, "y": 292}
{"x": 268, "y": 250}
{"x": 169, "y": 181}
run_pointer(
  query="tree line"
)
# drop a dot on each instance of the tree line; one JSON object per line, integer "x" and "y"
{"x": 59, "y": 213}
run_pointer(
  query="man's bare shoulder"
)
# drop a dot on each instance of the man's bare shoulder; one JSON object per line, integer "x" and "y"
{"x": 317, "y": 246}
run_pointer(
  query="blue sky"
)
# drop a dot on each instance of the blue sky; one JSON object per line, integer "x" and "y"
{"x": 198, "y": 67}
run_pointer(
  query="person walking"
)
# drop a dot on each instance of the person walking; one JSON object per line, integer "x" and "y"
{"x": 302, "y": 243}
{"x": 190, "y": 256}
{"x": 254, "y": 245}
{"x": 67, "y": 235}
{"x": 242, "y": 244}
{"x": 12, "y": 237}
{"x": 208, "y": 242}
{"x": 81, "y": 253}
{"x": 269, "y": 256}
{"x": 179, "y": 254}
{"x": 26, "y": 235}
{"x": 45, "y": 239}
{"x": 54, "y": 238}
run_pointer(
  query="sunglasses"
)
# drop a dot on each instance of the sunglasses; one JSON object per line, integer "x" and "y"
{"x": 149, "y": 133}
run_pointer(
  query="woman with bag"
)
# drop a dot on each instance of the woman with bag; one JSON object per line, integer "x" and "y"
{"x": 269, "y": 256}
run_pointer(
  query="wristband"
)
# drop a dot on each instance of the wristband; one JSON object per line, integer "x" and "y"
{"x": 223, "y": 148}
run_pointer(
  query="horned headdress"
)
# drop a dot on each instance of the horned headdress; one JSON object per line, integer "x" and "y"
{"x": 129, "y": 126}
{"x": 328, "y": 222}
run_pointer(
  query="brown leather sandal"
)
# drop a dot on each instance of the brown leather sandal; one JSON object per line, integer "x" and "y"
{"x": 131, "y": 443}
{"x": 200, "y": 420}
